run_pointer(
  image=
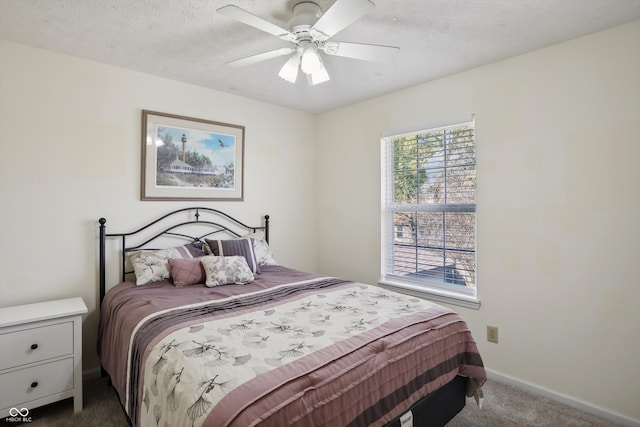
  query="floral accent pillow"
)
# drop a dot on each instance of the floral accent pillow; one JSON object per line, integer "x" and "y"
{"x": 226, "y": 270}
{"x": 153, "y": 266}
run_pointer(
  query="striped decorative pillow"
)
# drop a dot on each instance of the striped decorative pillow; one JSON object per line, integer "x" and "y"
{"x": 236, "y": 247}
{"x": 261, "y": 247}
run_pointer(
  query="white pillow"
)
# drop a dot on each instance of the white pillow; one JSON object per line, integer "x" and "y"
{"x": 226, "y": 270}
{"x": 261, "y": 248}
{"x": 153, "y": 266}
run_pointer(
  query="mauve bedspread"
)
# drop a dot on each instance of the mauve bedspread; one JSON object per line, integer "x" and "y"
{"x": 290, "y": 348}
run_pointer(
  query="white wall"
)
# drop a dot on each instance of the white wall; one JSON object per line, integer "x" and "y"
{"x": 70, "y": 153}
{"x": 558, "y": 208}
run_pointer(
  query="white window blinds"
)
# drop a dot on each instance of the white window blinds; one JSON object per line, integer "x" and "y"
{"x": 429, "y": 196}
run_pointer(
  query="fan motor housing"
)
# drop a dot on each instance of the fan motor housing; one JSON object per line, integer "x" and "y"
{"x": 305, "y": 14}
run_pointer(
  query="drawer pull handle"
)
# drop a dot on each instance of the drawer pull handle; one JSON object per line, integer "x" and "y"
{"x": 34, "y": 384}
{"x": 34, "y": 346}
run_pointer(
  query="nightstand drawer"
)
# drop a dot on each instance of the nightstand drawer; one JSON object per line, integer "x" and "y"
{"x": 24, "y": 385}
{"x": 31, "y": 345}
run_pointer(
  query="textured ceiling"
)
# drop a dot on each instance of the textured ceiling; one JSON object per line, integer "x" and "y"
{"x": 187, "y": 40}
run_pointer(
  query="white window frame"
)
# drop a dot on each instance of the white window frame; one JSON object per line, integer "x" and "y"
{"x": 430, "y": 288}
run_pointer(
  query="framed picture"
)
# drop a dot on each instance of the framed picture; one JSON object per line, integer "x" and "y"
{"x": 190, "y": 159}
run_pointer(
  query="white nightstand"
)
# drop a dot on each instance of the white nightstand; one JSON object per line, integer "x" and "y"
{"x": 41, "y": 354}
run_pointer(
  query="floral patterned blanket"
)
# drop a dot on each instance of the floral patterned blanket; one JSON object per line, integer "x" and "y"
{"x": 318, "y": 351}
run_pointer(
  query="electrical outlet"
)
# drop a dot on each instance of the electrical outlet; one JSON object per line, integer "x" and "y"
{"x": 492, "y": 334}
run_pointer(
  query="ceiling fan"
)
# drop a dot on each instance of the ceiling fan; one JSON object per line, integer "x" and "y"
{"x": 309, "y": 33}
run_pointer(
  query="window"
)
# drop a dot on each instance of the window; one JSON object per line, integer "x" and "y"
{"x": 429, "y": 213}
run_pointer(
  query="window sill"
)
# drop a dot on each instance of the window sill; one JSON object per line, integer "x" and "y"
{"x": 432, "y": 294}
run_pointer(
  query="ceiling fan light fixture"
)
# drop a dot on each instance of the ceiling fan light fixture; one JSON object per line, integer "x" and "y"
{"x": 310, "y": 62}
{"x": 289, "y": 70}
{"x": 309, "y": 32}
{"x": 320, "y": 76}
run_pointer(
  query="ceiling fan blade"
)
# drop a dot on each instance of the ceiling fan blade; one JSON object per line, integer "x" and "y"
{"x": 340, "y": 15}
{"x": 248, "y": 18}
{"x": 254, "y": 59}
{"x": 366, "y": 52}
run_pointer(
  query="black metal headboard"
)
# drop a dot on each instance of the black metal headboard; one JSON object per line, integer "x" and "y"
{"x": 213, "y": 220}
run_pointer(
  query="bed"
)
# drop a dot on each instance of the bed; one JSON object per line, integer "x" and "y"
{"x": 205, "y": 328}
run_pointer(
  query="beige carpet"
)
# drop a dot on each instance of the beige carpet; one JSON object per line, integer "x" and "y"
{"x": 504, "y": 405}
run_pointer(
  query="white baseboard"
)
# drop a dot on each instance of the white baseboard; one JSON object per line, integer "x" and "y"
{"x": 564, "y": 399}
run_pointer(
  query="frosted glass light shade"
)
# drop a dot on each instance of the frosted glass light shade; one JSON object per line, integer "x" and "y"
{"x": 310, "y": 62}
{"x": 320, "y": 76}
{"x": 289, "y": 70}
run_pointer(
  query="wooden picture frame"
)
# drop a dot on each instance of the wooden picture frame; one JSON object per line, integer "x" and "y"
{"x": 184, "y": 158}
